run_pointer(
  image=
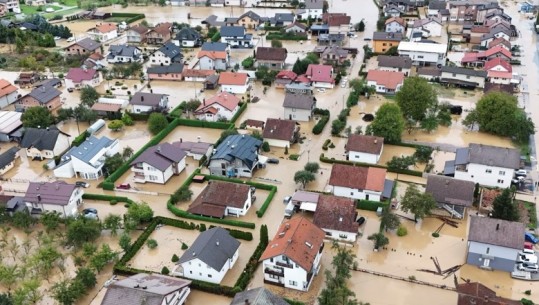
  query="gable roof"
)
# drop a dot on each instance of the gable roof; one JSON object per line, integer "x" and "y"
{"x": 297, "y": 24}
{"x": 174, "y": 67}
{"x": 403, "y": 62}
{"x": 387, "y": 36}
{"x": 162, "y": 28}
{"x": 365, "y": 144}
{"x": 398, "y": 20}
{"x": 188, "y": 33}
{"x": 336, "y": 19}
{"x": 299, "y": 101}
{"x": 10, "y": 121}
{"x": 389, "y": 79}
{"x": 106, "y": 107}
{"x": 437, "y": 5}
{"x": 450, "y": 190}
{"x": 146, "y": 99}
{"x": 160, "y": 156}
{"x": 286, "y": 74}
{"x": 78, "y": 75}
{"x": 6, "y": 88}
{"x": 232, "y": 31}
{"x": 88, "y": 149}
{"x": 464, "y": 71}
{"x": 171, "y": 50}
{"x": 422, "y": 22}
{"x": 314, "y": 4}
{"x": 142, "y": 289}
{"x": 225, "y": 99}
{"x": 212, "y": 54}
{"x": 336, "y": 213}
{"x": 8, "y": 156}
{"x": 193, "y": 147}
{"x": 257, "y": 296}
{"x": 488, "y": 155}
{"x": 217, "y": 196}
{"x": 122, "y": 50}
{"x": 279, "y": 129}
{"x": 498, "y": 62}
{"x": 498, "y": 49}
{"x": 499, "y": 41}
{"x": 45, "y": 93}
{"x": 299, "y": 240}
{"x": 250, "y": 14}
{"x": 197, "y": 73}
{"x": 233, "y": 78}
{"x": 41, "y": 139}
{"x": 320, "y": 73}
{"x": 269, "y": 53}
{"x": 56, "y": 193}
{"x": 479, "y": 294}
{"x": 105, "y": 27}
{"x": 358, "y": 177}
{"x": 497, "y": 232}
{"x": 213, "y": 247}
{"x": 139, "y": 29}
{"x": 214, "y": 46}
{"x": 242, "y": 147}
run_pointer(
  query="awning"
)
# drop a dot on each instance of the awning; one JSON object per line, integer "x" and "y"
{"x": 308, "y": 206}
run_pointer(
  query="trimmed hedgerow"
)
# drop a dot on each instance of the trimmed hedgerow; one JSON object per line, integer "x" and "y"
{"x": 371, "y": 205}
{"x": 183, "y": 214}
{"x": 243, "y": 106}
{"x": 400, "y": 171}
{"x": 253, "y": 262}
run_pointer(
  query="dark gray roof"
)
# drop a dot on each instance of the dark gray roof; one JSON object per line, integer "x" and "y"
{"x": 88, "y": 149}
{"x": 174, "y": 67}
{"x": 320, "y": 27}
{"x": 88, "y": 44}
{"x": 449, "y": 167}
{"x": 232, "y": 31}
{"x": 257, "y": 296}
{"x": 394, "y": 61}
{"x": 45, "y": 94}
{"x": 41, "y": 139}
{"x": 488, "y": 155}
{"x": 449, "y": 190}
{"x": 430, "y": 71}
{"x": 282, "y": 17}
{"x": 146, "y": 99}
{"x": 187, "y": 34}
{"x": 171, "y": 50}
{"x": 497, "y": 232}
{"x": 388, "y": 188}
{"x": 464, "y": 71}
{"x": 8, "y": 156}
{"x": 211, "y": 20}
{"x": 52, "y": 82}
{"x": 56, "y": 193}
{"x": 150, "y": 289}
{"x": 331, "y": 37}
{"x": 161, "y": 156}
{"x": 214, "y": 46}
{"x": 387, "y": 36}
{"x": 122, "y": 50}
{"x": 213, "y": 247}
{"x": 200, "y": 148}
{"x": 437, "y": 5}
{"x": 314, "y": 4}
{"x": 242, "y": 147}
{"x": 299, "y": 101}
{"x": 251, "y": 15}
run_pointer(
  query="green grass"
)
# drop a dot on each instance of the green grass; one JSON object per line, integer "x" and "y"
{"x": 530, "y": 206}
{"x": 116, "y": 19}
{"x": 67, "y": 12}
{"x": 31, "y": 10}
{"x": 525, "y": 150}
{"x": 68, "y": 2}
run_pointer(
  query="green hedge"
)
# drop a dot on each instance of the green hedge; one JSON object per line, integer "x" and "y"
{"x": 293, "y": 302}
{"x": 133, "y": 16}
{"x": 143, "y": 117}
{"x": 183, "y": 214}
{"x": 109, "y": 198}
{"x": 371, "y": 205}
{"x": 266, "y": 204}
{"x": 176, "y": 112}
{"x": 243, "y": 106}
{"x": 319, "y": 127}
{"x": 279, "y": 36}
{"x": 135, "y": 247}
{"x": 202, "y": 160}
{"x": 237, "y": 233}
{"x": 204, "y": 124}
{"x": 252, "y": 263}
{"x": 345, "y": 162}
{"x": 80, "y": 139}
{"x": 262, "y": 186}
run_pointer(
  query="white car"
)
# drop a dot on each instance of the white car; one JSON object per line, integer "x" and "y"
{"x": 70, "y": 39}
{"x": 321, "y": 90}
{"x": 528, "y": 267}
{"x": 57, "y": 37}
{"x": 528, "y": 258}
{"x": 527, "y": 252}
{"x": 521, "y": 172}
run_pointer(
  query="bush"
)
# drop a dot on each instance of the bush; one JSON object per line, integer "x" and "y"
{"x": 243, "y": 106}
{"x": 165, "y": 271}
{"x": 252, "y": 263}
{"x": 175, "y": 258}
{"x": 151, "y": 243}
{"x": 113, "y": 202}
{"x": 436, "y": 235}
{"x": 265, "y": 146}
{"x": 319, "y": 127}
{"x": 184, "y": 246}
{"x": 326, "y": 144}
{"x": 202, "y": 227}
{"x": 294, "y": 157}
{"x": 528, "y": 292}
{"x": 266, "y": 204}
{"x": 80, "y": 139}
{"x": 402, "y": 231}
{"x": 371, "y": 205}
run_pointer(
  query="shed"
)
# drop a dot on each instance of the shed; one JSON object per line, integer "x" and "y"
{"x": 96, "y": 126}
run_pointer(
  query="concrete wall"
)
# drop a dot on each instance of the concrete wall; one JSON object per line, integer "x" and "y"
{"x": 356, "y": 194}
{"x": 363, "y": 157}
{"x": 303, "y": 115}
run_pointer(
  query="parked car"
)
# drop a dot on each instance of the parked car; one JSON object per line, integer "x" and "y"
{"x": 528, "y": 267}
{"x": 82, "y": 184}
{"x": 90, "y": 213}
{"x": 287, "y": 199}
{"x": 290, "y": 209}
{"x": 123, "y": 186}
{"x": 70, "y": 39}
{"x": 361, "y": 220}
{"x": 367, "y": 39}
{"x": 529, "y": 251}
{"x": 521, "y": 172}
{"x": 321, "y": 90}
{"x": 70, "y": 90}
{"x": 528, "y": 245}
{"x": 531, "y": 238}
{"x": 273, "y": 161}
{"x": 527, "y": 258}
{"x": 57, "y": 37}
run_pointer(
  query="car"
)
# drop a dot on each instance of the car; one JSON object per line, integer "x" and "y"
{"x": 360, "y": 221}
{"x": 89, "y": 211}
{"x": 527, "y": 252}
{"x": 82, "y": 184}
{"x": 531, "y": 238}
{"x": 367, "y": 39}
{"x": 528, "y": 245}
{"x": 528, "y": 267}
{"x": 71, "y": 39}
{"x": 287, "y": 199}
{"x": 123, "y": 186}
{"x": 321, "y": 90}
{"x": 527, "y": 259}
{"x": 521, "y": 172}
{"x": 343, "y": 85}
{"x": 57, "y": 37}
{"x": 273, "y": 161}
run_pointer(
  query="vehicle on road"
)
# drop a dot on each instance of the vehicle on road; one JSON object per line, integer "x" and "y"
{"x": 71, "y": 39}
{"x": 321, "y": 90}
{"x": 527, "y": 258}
{"x": 531, "y": 238}
{"x": 123, "y": 186}
{"x": 534, "y": 268}
{"x": 273, "y": 161}
{"x": 521, "y": 172}
{"x": 82, "y": 184}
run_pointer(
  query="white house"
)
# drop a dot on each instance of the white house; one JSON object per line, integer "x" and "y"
{"x": 365, "y": 149}
{"x": 337, "y": 217}
{"x": 463, "y": 77}
{"x": 236, "y": 36}
{"x": 213, "y": 56}
{"x": 7, "y": 159}
{"x": 292, "y": 257}
{"x": 209, "y": 258}
{"x": 167, "y": 54}
{"x": 222, "y": 105}
{"x": 280, "y": 133}
{"x": 148, "y": 102}
{"x": 124, "y": 54}
{"x": 234, "y": 82}
{"x": 86, "y": 160}
{"x": 356, "y": 182}
{"x": 82, "y": 77}
{"x": 103, "y": 32}
{"x": 499, "y": 71}
{"x": 385, "y": 81}
{"x": 299, "y": 107}
{"x": 395, "y": 25}
{"x": 484, "y": 164}
{"x": 430, "y": 27}
{"x": 44, "y": 143}
{"x": 56, "y": 196}
{"x": 220, "y": 199}
{"x": 424, "y": 53}
{"x": 8, "y": 93}
{"x": 157, "y": 164}
{"x": 195, "y": 150}
{"x": 321, "y": 76}
{"x": 313, "y": 10}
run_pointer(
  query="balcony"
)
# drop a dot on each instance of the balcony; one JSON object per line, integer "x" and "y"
{"x": 284, "y": 264}
{"x": 277, "y": 272}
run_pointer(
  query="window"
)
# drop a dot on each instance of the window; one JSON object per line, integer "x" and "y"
{"x": 209, "y": 275}
{"x": 351, "y": 193}
{"x": 502, "y": 173}
{"x": 467, "y": 76}
{"x": 419, "y": 56}
{"x": 488, "y": 250}
{"x": 275, "y": 277}
{"x": 271, "y": 260}
{"x": 488, "y": 171}
{"x": 190, "y": 272}
{"x": 292, "y": 283}
{"x": 500, "y": 181}
{"x": 384, "y": 44}
{"x": 200, "y": 273}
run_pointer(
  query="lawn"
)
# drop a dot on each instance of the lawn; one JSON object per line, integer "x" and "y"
{"x": 68, "y": 2}
{"x": 67, "y": 12}
{"x": 31, "y": 10}
{"x": 528, "y": 213}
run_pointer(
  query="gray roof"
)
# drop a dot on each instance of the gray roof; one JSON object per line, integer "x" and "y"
{"x": 88, "y": 149}
{"x": 488, "y": 155}
{"x": 449, "y": 190}
{"x": 430, "y": 71}
{"x": 211, "y": 20}
{"x": 282, "y": 17}
{"x": 331, "y": 37}
{"x": 394, "y": 61}
{"x": 45, "y": 94}
{"x": 122, "y": 50}
{"x": 242, "y": 147}
{"x": 146, "y": 99}
{"x": 199, "y": 148}
{"x": 387, "y": 36}
{"x": 8, "y": 156}
{"x": 213, "y": 247}
{"x": 56, "y": 193}
{"x": 251, "y": 15}
{"x": 171, "y": 50}
{"x": 232, "y": 31}
{"x": 464, "y": 71}
{"x": 388, "y": 188}
{"x": 437, "y": 5}
{"x": 88, "y": 44}
{"x": 299, "y": 101}
{"x": 314, "y": 4}
{"x": 41, "y": 139}
{"x": 174, "y": 67}
{"x": 142, "y": 289}
{"x": 320, "y": 27}
{"x": 160, "y": 156}
{"x": 257, "y": 296}
{"x": 497, "y": 232}
{"x": 188, "y": 33}
{"x": 214, "y": 46}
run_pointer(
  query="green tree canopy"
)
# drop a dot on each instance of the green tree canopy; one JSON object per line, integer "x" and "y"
{"x": 37, "y": 117}
{"x": 157, "y": 122}
{"x": 276, "y": 43}
{"x": 503, "y": 206}
{"x": 312, "y": 167}
{"x": 113, "y": 223}
{"x": 388, "y": 123}
{"x": 88, "y": 96}
{"x": 82, "y": 230}
{"x": 389, "y": 220}
{"x": 379, "y": 239}
{"x": 139, "y": 213}
{"x": 303, "y": 177}
{"x": 418, "y": 203}
{"x": 416, "y": 99}
{"x": 116, "y": 125}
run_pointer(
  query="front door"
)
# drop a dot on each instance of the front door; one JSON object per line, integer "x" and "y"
{"x": 486, "y": 262}
{"x": 367, "y": 197}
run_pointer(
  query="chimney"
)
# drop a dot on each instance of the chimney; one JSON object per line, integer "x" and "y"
{"x": 57, "y": 186}
{"x": 217, "y": 243}
{"x": 158, "y": 148}
{"x": 497, "y": 226}
{"x": 375, "y": 141}
{"x": 204, "y": 102}
{"x": 142, "y": 98}
{"x": 38, "y": 197}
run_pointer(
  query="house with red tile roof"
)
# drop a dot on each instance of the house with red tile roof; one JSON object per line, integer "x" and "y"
{"x": 500, "y": 42}
{"x": 234, "y": 82}
{"x": 213, "y": 56}
{"x": 395, "y": 25}
{"x": 280, "y": 133}
{"x": 8, "y": 93}
{"x": 283, "y": 78}
{"x": 220, "y": 199}
{"x": 479, "y": 294}
{"x": 500, "y": 71}
{"x": 103, "y": 32}
{"x": 222, "y": 105}
{"x": 160, "y": 34}
{"x": 337, "y": 217}
{"x": 292, "y": 257}
{"x": 320, "y": 76}
{"x": 478, "y": 59}
{"x": 82, "y": 77}
{"x": 363, "y": 148}
{"x": 338, "y": 23}
{"x": 357, "y": 182}
{"x": 388, "y": 82}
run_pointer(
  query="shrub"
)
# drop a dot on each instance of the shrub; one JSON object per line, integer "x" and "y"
{"x": 165, "y": 271}
{"x": 294, "y": 157}
{"x": 113, "y": 202}
{"x": 326, "y": 144}
{"x": 528, "y": 292}
{"x": 412, "y": 278}
{"x": 331, "y": 145}
{"x": 151, "y": 243}
{"x": 436, "y": 235}
{"x": 184, "y": 246}
{"x": 266, "y": 204}
{"x": 319, "y": 127}
{"x": 265, "y": 146}
{"x": 402, "y": 231}
{"x": 175, "y": 258}
{"x": 370, "y": 205}
{"x": 202, "y": 227}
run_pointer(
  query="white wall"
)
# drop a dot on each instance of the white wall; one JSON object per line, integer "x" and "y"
{"x": 340, "y": 235}
{"x": 8, "y": 99}
{"x": 240, "y": 211}
{"x": 303, "y": 115}
{"x": 357, "y": 156}
{"x": 405, "y": 71}
{"x": 159, "y": 59}
{"x": 426, "y": 57}
{"x": 69, "y": 210}
{"x": 323, "y": 85}
{"x": 356, "y": 194}
{"x": 394, "y": 27}
{"x": 475, "y": 79}
{"x": 278, "y": 143}
{"x": 221, "y": 112}
{"x": 178, "y": 297}
{"x": 197, "y": 270}
{"x": 235, "y": 89}
{"x": 487, "y": 175}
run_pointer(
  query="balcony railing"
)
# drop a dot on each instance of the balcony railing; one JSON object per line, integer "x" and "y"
{"x": 274, "y": 271}
{"x": 283, "y": 264}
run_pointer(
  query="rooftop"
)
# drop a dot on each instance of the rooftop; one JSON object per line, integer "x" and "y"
{"x": 45, "y": 94}
{"x": 233, "y": 78}
{"x": 217, "y": 196}
{"x": 55, "y": 193}
{"x": 389, "y": 79}
{"x": 257, "y": 296}
{"x": 242, "y": 147}
{"x": 497, "y": 232}
{"x": 387, "y": 36}
{"x": 9, "y": 121}
{"x": 88, "y": 149}
{"x": 298, "y": 101}
{"x": 464, "y": 71}
{"x": 41, "y": 139}
{"x": 160, "y": 156}
{"x": 358, "y": 177}
{"x": 279, "y": 129}
{"x": 422, "y": 47}
{"x": 488, "y": 155}
{"x": 451, "y": 191}
{"x": 78, "y": 75}
{"x": 225, "y": 99}
{"x": 6, "y": 88}
{"x": 146, "y": 99}
{"x": 365, "y": 144}
{"x": 403, "y": 62}
{"x": 268, "y": 53}
{"x": 336, "y": 213}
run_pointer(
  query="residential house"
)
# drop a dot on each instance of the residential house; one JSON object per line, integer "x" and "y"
{"x": 159, "y": 34}
{"x": 499, "y": 71}
{"x": 498, "y": 32}
{"x": 282, "y": 19}
{"x": 305, "y": 201}
{"x": 172, "y": 72}
{"x": 461, "y": 11}
{"x": 136, "y": 34}
{"x": 195, "y": 150}
{"x": 235, "y": 36}
{"x": 85, "y": 46}
{"x": 497, "y": 51}
{"x": 292, "y": 257}
{"x": 357, "y": 182}
{"x": 283, "y": 78}
{"x": 272, "y": 58}
{"x": 257, "y": 296}
{"x": 213, "y": 56}
{"x": 484, "y": 164}
{"x": 383, "y": 41}
{"x": 493, "y": 244}
{"x": 26, "y": 79}
{"x": 44, "y": 143}
{"x": 339, "y": 23}
{"x": 220, "y": 199}
{"x": 103, "y": 32}
{"x": 326, "y": 39}
{"x": 487, "y": 9}
{"x": 476, "y": 32}
{"x": 157, "y": 164}
{"x": 209, "y": 258}
{"x": 166, "y": 55}
{"x": 10, "y": 6}
{"x": 337, "y": 217}
{"x": 8, "y": 93}
{"x": 331, "y": 54}
{"x": 81, "y": 77}
{"x": 299, "y": 88}
{"x": 188, "y": 37}
{"x": 148, "y": 289}
{"x": 387, "y": 82}
{"x": 86, "y": 160}
{"x": 195, "y": 75}
{"x": 56, "y": 196}
{"x": 211, "y": 82}
{"x": 463, "y": 77}
{"x": 320, "y": 76}
{"x": 430, "y": 27}
{"x": 143, "y": 102}
{"x": 479, "y": 294}
{"x": 313, "y": 10}
{"x": 499, "y": 42}
{"x": 435, "y": 8}
{"x": 424, "y": 54}
{"x": 236, "y": 156}
{"x": 10, "y": 123}
{"x": 108, "y": 110}
{"x": 7, "y": 159}
{"x": 296, "y": 27}
{"x": 44, "y": 96}
{"x": 299, "y": 107}
{"x": 526, "y": 7}
{"x": 234, "y": 82}
{"x": 257, "y": 125}
{"x": 94, "y": 61}
{"x": 395, "y": 25}
{"x": 452, "y": 195}
{"x": 250, "y": 20}
{"x": 124, "y": 54}
{"x": 395, "y": 63}
{"x": 223, "y": 105}
{"x": 280, "y": 133}
{"x": 392, "y": 11}
{"x": 364, "y": 149}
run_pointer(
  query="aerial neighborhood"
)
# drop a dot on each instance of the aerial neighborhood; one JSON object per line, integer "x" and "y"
{"x": 269, "y": 152}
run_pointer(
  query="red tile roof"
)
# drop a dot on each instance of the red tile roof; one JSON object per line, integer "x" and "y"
{"x": 197, "y": 73}
{"x": 6, "y": 87}
{"x": 212, "y": 54}
{"x": 225, "y": 99}
{"x": 218, "y": 195}
{"x": 320, "y": 73}
{"x": 336, "y": 19}
{"x": 358, "y": 177}
{"x": 233, "y": 78}
{"x": 336, "y": 213}
{"x": 479, "y": 294}
{"x": 286, "y": 74}
{"x": 498, "y": 49}
{"x": 106, "y": 107}
{"x": 366, "y": 144}
{"x": 78, "y": 75}
{"x": 397, "y": 20}
{"x": 255, "y": 123}
{"x": 388, "y": 79}
{"x": 498, "y": 62}
{"x": 500, "y": 74}
{"x": 499, "y": 41}
{"x": 279, "y": 129}
{"x": 106, "y": 27}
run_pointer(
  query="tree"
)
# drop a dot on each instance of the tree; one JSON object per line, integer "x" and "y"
{"x": 388, "y": 123}
{"x": 360, "y": 26}
{"x": 422, "y": 153}
{"x": 86, "y": 277}
{"x": 248, "y": 62}
{"x": 128, "y": 121}
{"x": 157, "y": 122}
{"x": 265, "y": 146}
{"x": 9, "y": 275}
{"x": 379, "y": 239}
{"x": 64, "y": 293}
{"x": 337, "y": 126}
{"x": 5, "y": 299}
{"x": 400, "y": 163}
{"x": 225, "y": 134}
{"x": 393, "y": 51}
{"x": 303, "y": 177}
{"x": 112, "y": 163}
{"x": 192, "y": 105}
{"x": 125, "y": 241}
{"x": 64, "y": 114}
{"x": 37, "y": 117}
{"x": 264, "y": 237}
{"x": 85, "y": 114}
{"x": 276, "y": 43}
{"x": 336, "y": 291}
{"x": 116, "y": 125}
{"x": 139, "y": 213}
{"x": 312, "y": 167}
{"x": 416, "y": 99}
{"x": 112, "y": 222}
{"x": 22, "y": 220}
{"x": 82, "y": 230}
{"x": 417, "y": 203}
{"x": 182, "y": 194}
{"x": 389, "y": 220}
{"x": 51, "y": 220}
{"x": 503, "y": 206}
{"x": 127, "y": 153}
{"x": 88, "y": 96}
{"x": 104, "y": 256}
{"x": 151, "y": 243}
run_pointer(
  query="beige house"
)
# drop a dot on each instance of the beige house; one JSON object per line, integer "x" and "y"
{"x": 7, "y": 160}
{"x": 44, "y": 96}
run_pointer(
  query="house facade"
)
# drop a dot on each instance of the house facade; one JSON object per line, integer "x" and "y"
{"x": 383, "y": 41}
{"x": 280, "y": 133}
{"x": 222, "y": 105}
{"x": 44, "y": 143}
{"x": 166, "y": 55}
{"x": 364, "y": 183}
{"x": 463, "y": 77}
{"x": 320, "y": 76}
{"x": 188, "y": 38}
{"x": 57, "y": 196}
{"x": 314, "y": 9}
{"x": 124, "y": 54}
{"x": 424, "y": 54}
{"x": 363, "y": 148}
{"x": 136, "y": 34}
{"x": 236, "y": 156}
{"x": 160, "y": 34}
{"x": 8, "y": 93}
{"x": 157, "y": 164}
{"x": 387, "y": 82}
{"x": 103, "y": 32}
{"x": 213, "y": 56}
{"x": 221, "y": 199}
{"x": 395, "y": 25}
{"x": 430, "y": 27}
{"x": 234, "y": 82}
{"x": 172, "y": 72}
{"x": 235, "y": 36}
{"x": 272, "y": 58}
{"x": 143, "y": 102}
{"x": 44, "y": 96}
{"x": 395, "y": 63}
{"x": 299, "y": 107}
{"x": 79, "y": 78}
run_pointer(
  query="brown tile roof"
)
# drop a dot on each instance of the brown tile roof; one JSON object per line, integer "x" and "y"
{"x": 6, "y": 87}
{"x": 197, "y": 73}
{"x": 268, "y": 53}
{"x": 499, "y": 41}
{"x": 299, "y": 240}
{"x": 398, "y": 20}
{"x": 139, "y": 29}
{"x": 366, "y": 144}
{"x": 233, "y": 78}
{"x": 163, "y": 28}
{"x": 54, "y": 193}
{"x": 78, "y": 75}
{"x": 389, "y": 79}
{"x": 212, "y": 54}
{"x": 279, "y": 129}
{"x": 106, "y": 107}
{"x": 225, "y": 99}
{"x": 358, "y": 177}
{"x": 480, "y": 29}
{"x": 479, "y": 294}
{"x": 217, "y": 196}
{"x": 336, "y": 213}
{"x": 335, "y": 19}
{"x": 255, "y": 123}
{"x": 106, "y": 27}
{"x": 449, "y": 190}
{"x": 497, "y": 232}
